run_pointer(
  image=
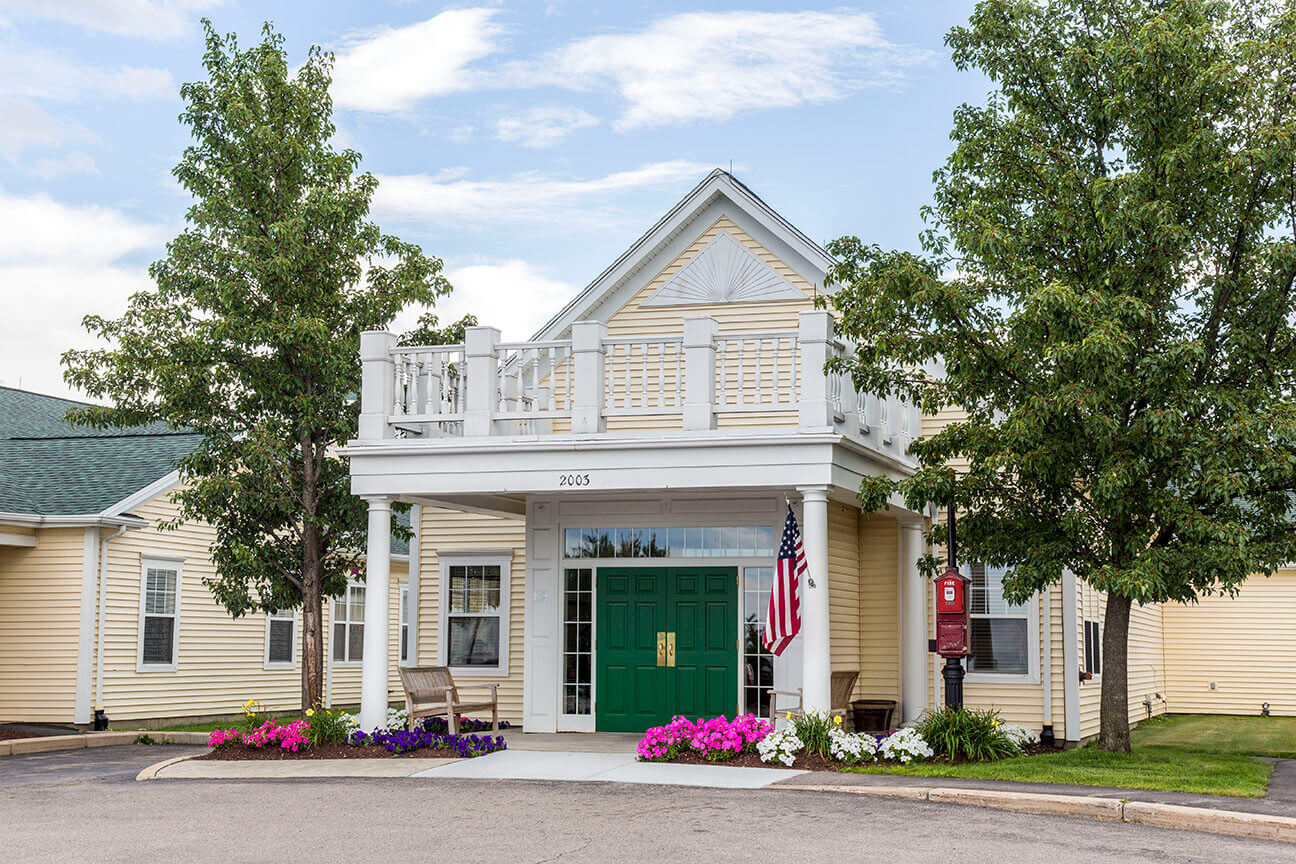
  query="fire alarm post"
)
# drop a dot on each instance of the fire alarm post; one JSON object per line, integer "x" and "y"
{"x": 953, "y": 624}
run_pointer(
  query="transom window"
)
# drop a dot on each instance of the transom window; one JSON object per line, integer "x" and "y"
{"x": 1000, "y": 630}
{"x": 733, "y": 541}
{"x": 348, "y": 625}
{"x": 159, "y": 606}
{"x": 475, "y": 617}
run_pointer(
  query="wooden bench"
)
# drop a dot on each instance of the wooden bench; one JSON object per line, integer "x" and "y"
{"x": 843, "y": 683}
{"x": 430, "y": 691}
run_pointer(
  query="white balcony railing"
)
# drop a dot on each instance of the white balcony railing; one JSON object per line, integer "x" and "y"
{"x": 693, "y": 379}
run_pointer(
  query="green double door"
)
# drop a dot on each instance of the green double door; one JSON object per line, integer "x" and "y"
{"x": 667, "y": 644}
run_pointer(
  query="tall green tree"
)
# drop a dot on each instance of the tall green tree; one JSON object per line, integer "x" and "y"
{"x": 1107, "y": 275}
{"x": 251, "y": 336}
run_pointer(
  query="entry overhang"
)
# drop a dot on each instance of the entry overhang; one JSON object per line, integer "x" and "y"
{"x": 601, "y": 463}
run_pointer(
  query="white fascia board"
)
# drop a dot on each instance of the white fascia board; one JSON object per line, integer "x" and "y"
{"x": 88, "y": 520}
{"x": 157, "y": 487}
{"x": 769, "y": 224}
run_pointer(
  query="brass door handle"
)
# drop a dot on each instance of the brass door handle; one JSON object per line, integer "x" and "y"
{"x": 661, "y": 647}
{"x": 670, "y": 648}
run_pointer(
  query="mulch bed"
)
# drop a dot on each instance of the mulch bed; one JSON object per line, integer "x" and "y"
{"x": 804, "y": 762}
{"x": 809, "y": 761}
{"x": 9, "y": 734}
{"x": 242, "y": 752}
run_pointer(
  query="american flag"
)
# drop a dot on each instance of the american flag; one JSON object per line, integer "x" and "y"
{"x": 784, "y": 619}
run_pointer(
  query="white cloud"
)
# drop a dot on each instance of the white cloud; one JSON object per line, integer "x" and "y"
{"x": 70, "y": 163}
{"x": 543, "y": 127}
{"x": 145, "y": 19}
{"x": 24, "y": 125}
{"x": 59, "y": 262}
{"x": 450, "y": 196}
{"x": 392, "y": 69}
{"x": 37, "y": 73}
{"x": 512, "y": 295}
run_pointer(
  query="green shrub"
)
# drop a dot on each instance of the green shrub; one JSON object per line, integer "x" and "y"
{"x": 327, "y": 727}
{"x": 963, "y": 733}
{"x": 813, "y": 728}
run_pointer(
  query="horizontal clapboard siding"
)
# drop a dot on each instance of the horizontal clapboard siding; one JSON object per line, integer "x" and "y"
{"x": 1245, "y": 645}
{"x": 220, "y": 659}
{"x": 40, "y": 603}
{"x": 456, "y": 531}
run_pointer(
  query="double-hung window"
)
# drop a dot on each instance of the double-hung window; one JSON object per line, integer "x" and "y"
{"x": 281, "y": 638}
{"x": 159, "y": 625}
{"x": 474, "y": 615}
{"x": 1002, "y": 632}
{"x": 348, "y": 625}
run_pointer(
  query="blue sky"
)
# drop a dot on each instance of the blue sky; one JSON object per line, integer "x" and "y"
{"x": 526, "y": 143}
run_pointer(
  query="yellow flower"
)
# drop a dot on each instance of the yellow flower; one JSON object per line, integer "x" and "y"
{"x": 310, "y": 712}
{"x": 837, "y": 720}
{"x": 789, "y": 715}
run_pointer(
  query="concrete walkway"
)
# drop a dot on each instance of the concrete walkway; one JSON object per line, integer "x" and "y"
{"x": 607, "y": 767}
{"x": 572, "y": 742}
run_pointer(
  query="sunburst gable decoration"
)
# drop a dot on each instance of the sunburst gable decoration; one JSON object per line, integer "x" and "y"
{"x": 725, "y": 271}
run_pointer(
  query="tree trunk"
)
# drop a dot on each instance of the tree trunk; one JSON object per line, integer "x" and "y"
{"x": 312, "y": 684}
{"x": 1114, "y": 730}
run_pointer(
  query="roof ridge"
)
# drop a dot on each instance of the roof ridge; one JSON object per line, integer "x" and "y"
{"x": 102, "y": 437}
{"x": 44, "y": 395}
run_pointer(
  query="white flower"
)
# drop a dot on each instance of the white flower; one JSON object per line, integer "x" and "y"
{"x": 781, "y": 746}
{"x": 851, "y": 748}
{"x": 905, "y": 745}
{"x": 1020, "y": 736}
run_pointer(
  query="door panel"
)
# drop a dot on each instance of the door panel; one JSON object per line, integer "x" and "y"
{"x": 630, "y": 685}
{"x": 699, "y": 606}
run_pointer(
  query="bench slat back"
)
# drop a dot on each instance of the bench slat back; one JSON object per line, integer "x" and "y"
{"x": 426, "y": 683}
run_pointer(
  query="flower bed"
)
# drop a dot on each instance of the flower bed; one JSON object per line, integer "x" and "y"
{"x": 816, "y": 741}
{"x": 325, "y": 734}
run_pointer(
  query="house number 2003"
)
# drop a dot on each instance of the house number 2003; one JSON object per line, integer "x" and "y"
{"x": 573, "y": 479}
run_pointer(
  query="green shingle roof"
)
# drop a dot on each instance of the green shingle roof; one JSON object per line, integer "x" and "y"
{"x": 49, "y": 467}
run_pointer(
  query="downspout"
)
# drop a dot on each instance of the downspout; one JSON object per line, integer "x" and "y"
{"x": 103, "y": 603}
{"x": 1046, "y": 673}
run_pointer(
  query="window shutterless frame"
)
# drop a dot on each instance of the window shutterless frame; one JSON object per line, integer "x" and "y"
{"x": 153, "y": 605}
{"x": 503, "y": 559}
{"x": 1028, "y": 612}
{"x": 403, "y": 646}
{"x": 343, "y": 605}
{"x": 276, "y": 621}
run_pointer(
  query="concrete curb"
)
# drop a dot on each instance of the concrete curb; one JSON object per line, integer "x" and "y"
{"x": 1256, "y": 825}
{"x": 151, "y": 772}
{"x": 52, "y": 743}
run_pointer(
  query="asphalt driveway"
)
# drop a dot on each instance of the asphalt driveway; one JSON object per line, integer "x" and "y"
{"x": 84, "y": 805}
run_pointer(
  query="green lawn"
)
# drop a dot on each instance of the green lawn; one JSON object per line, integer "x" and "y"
{"x": 224, "y": 724}
{"x": 1200, "y": 754}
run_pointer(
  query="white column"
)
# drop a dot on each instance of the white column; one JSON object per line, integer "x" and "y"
{"x": 588, "y": 357}
{"x": 699, "y": 372}
{"x": 913, "y": 623}
{"x": 415, "y": 561}
{"x": 814, "y": 333}
{"x": 482, "y": 360}
{"x": 816, "y": 676}
{"x": 377, "y": 387}
{"x": 377, "y": 633}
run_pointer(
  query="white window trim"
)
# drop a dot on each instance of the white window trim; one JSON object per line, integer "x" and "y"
{"x": 504, "y": 560}
{"x": 403, "y": 599}
{"x": 1031, "y": 613}
{"x": 159, "y": 563}
{"x": 1095, "y": 677}
{"x": 296, "y": 639}
{"x": 333, "y": 604}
